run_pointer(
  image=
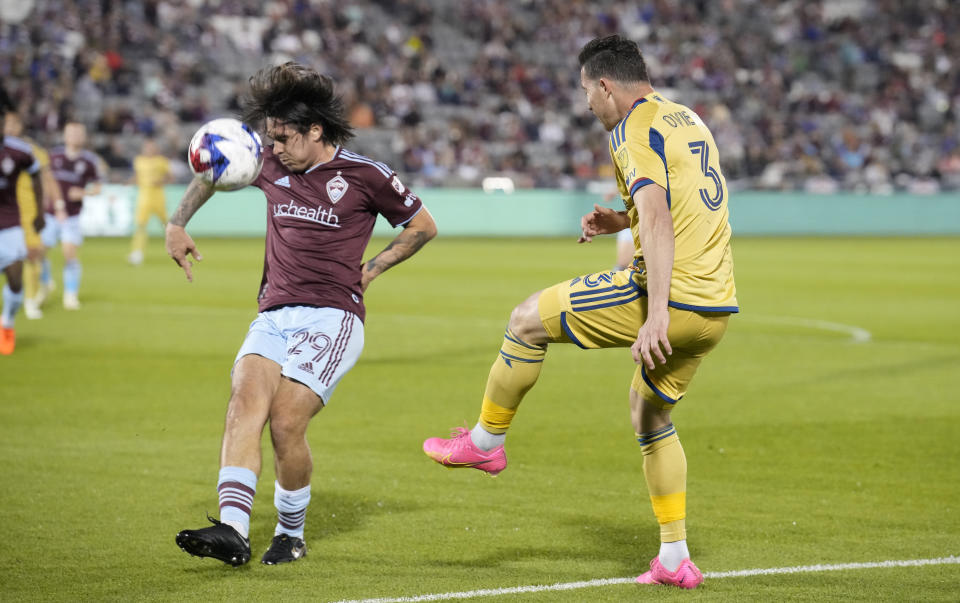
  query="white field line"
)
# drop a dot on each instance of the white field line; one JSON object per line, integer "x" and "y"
{"x": 799, "y": 569}
{"x": 857, "y": 334}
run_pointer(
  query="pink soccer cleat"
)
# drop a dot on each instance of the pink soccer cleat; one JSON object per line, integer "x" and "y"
{"x": 686, "y": 576}
{"x": 459, "y": 451}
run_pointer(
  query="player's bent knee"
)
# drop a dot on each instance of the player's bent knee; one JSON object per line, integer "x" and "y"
{"x": 287, "y": 432}
{"x": 525, "y": 321}
{"x": 648, "y": 411}
{"x": 285, "y": 428}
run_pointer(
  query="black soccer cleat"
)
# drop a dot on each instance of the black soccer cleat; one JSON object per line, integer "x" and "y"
{"x": 219, "y": 541}
{"x": 284, "y": 549}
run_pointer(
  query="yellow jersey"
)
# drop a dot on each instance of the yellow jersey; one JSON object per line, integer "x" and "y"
{"x": 151, "y": 173}
{"x": 666, "y": 143}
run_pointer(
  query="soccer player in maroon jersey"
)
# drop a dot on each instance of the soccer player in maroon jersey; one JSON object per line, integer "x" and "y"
{"x": 78, "y": 172}
{"x": 322, "y": 201}
{"x": 16, "y": 156}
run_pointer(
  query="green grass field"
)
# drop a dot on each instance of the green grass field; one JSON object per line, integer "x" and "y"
{"x": 805, "y": 445}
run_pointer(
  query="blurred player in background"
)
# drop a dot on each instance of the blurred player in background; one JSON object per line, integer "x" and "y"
{"x": 28, "y": 213}
{"x": 78, "y": 172}
{"x": 322, "y": 202}
{"x": 16, "y": 157}
{"x": 151, "y": 172}
{"x": 625, "y": 249}
{"x": 670, "y": 308}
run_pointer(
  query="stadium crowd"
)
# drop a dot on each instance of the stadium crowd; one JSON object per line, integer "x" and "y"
{"x": 850, "y": 95}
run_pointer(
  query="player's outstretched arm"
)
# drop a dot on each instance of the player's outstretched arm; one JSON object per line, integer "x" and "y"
{"x": 179, "y": 244}
{"x": 415, "y": 235}
{"x": 51, "y": 190}
{"x": 602, "y": 220}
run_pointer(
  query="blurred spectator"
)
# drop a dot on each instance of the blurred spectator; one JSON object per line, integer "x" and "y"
{"x": 850, "y": 95}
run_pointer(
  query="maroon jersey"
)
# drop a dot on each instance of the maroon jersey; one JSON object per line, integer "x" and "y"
{"x": 319, "y": 223}
{"x": 81, "y": 170}
{"x": 15, "y": 156}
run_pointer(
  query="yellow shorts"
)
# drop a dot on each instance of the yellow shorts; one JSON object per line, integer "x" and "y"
{"x": 606, "y": 309}
{"x": 147, "y": 207}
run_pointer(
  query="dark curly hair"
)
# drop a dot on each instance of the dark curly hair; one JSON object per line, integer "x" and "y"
{"x": 613, "y": 57}
{"x": 298, "y": 96}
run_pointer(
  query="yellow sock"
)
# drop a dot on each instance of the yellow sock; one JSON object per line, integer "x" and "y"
{"x": 139, "y": 238}
{"x": 512, "y": 375}
{"x": 31, "y": 278}
{"x": 665, "y": 468}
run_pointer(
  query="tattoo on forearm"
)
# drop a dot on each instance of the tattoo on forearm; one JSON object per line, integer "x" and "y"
{"x": 196, "y": 195}
{"x": 406, "y": 244}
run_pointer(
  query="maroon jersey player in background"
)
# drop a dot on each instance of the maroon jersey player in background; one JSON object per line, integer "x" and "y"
{"x": 322, "y": 202}
{"x": 78, "y": 173}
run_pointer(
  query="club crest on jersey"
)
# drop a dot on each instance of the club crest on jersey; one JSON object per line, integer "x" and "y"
{"x": 78, "y": 168}
{"x": 336, "y": 188}
{"x": 397, "y": 185}
{"x": 622, "y": 157}
{"x": 8, "y": 166}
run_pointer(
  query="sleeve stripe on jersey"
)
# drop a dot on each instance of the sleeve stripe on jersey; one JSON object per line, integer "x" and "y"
{"x": 657, "y": 145}
{"x": 638, "y": 184}
{"x": 351, "y": 156}
{"x": 19, "y": 145}
{"x": 419, "y": 209}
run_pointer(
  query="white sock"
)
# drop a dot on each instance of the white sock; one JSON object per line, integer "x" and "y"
{"x": 11, "y": 305}
{"x": 236, "y": 487}
{"x": 672, "y": 554}
{"x": 291, "y": 509}
{"x": 242, "y": 528}
{"x": 484, "y": 440}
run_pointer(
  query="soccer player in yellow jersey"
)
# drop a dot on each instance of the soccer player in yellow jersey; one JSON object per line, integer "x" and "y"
{"x": 670, "y": 307}
{"x": 28, "y": 212}
{"x": 151, "y": 172}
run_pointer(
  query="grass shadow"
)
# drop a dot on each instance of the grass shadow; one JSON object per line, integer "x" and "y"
{"x": 330, "y": 514}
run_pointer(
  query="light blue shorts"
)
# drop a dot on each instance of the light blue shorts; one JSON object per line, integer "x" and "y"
{"x": 67, "y": 231}
{"x": 315, "y": 346}
{"x": 13, "y": 247}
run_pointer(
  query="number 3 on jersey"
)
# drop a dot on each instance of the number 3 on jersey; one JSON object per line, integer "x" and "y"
{"x": 712, "y": 202}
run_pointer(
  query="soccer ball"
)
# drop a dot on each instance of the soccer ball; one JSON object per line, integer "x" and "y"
{"x": 226, "y": 153}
